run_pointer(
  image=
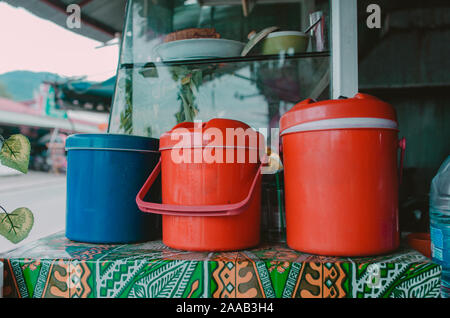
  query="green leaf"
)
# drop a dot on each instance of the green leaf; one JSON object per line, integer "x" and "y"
{"x": 16, "y": 226}
{"x": 15, "y": 153}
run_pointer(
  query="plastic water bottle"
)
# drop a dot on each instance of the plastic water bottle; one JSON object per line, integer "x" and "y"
{"x": 440, "y": 224}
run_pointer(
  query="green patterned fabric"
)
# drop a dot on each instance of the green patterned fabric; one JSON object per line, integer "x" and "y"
{"x": 57, "y": 267}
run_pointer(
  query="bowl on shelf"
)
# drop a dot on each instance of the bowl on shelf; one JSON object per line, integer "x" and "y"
{"x": 198, "y": 49}
{"x": 290, "y": 42}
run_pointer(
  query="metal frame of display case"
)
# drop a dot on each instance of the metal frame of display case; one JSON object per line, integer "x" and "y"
{"x": 344, "y": 51}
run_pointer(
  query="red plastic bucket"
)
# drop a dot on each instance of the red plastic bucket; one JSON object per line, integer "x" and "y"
{"x": 341, "y": 176}
{"x": 208, "y": 205}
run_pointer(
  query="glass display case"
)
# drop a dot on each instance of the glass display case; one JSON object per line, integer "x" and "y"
{"x": 182, "y": 61}
{"x": 248, "y": 60}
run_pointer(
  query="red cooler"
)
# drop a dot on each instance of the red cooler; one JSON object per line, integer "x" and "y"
{"x": 211, "y": 186}
{"x": 341, "y": 176}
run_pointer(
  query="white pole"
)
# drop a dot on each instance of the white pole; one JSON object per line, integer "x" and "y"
{"x": 344, "y": 43}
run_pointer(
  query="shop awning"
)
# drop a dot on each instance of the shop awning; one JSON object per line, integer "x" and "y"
{"x": 101, "y": 19}
{"x": 18, "y": 114}
{"x": 86, "y": 95}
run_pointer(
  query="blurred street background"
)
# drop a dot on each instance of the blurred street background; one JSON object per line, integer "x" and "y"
{"x": 53, "y": 83}
{"x": 43, "y": 193}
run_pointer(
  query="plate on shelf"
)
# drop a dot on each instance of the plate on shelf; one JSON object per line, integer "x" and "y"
{"x": 198, "y": 49}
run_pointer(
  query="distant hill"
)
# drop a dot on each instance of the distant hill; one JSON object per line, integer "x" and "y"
{"x": 21, "y": 84}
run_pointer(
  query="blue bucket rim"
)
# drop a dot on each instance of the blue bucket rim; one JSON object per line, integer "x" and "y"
{"x": 112, "y": 142}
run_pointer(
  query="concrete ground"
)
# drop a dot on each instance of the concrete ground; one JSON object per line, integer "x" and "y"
{"x": 44, "y": 194}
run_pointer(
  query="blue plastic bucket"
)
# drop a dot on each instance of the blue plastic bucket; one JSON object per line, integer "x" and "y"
{"x": 104, "y": 174}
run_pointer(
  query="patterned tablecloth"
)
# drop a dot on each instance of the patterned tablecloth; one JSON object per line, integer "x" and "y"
{"x": 57, "y": 267}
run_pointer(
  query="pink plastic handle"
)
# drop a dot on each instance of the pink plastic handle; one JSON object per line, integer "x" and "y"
{"x": 402, "y": 146}
{"x": 200, "y": 210}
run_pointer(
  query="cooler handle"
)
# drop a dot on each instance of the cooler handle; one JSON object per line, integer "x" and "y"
{"x": 402, "y": 146}
{"x": 200, "y": 210}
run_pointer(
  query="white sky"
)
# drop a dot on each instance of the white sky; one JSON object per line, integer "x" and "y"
{"x": 33, "y": 44}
